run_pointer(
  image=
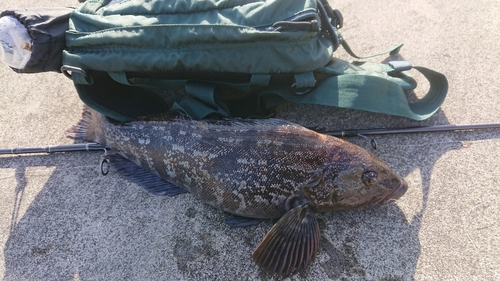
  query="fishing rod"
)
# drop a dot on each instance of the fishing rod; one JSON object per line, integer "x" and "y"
{"x": 54, "y": 148}
{"x": 420, "y": 129}
{"x": 343, "y": 133}
{"x": 62, "y": 148}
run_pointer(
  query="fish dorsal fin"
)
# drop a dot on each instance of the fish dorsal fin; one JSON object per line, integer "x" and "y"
{"x": 290, "y": 244}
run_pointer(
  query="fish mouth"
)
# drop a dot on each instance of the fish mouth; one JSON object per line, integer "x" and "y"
{"x": 393, "y": 195}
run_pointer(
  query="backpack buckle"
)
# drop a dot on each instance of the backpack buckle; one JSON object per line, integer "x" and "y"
{"x": 400, "y": 65}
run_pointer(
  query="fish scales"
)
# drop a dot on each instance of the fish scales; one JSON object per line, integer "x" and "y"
{"x": 245, "y": 168}
{"x": 256, "y": 169}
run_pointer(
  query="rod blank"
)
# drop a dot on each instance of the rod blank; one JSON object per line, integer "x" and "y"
{"x": 54, "y": 148}
{"x": 422, "y": 129}
{"x": 346, "y": 133}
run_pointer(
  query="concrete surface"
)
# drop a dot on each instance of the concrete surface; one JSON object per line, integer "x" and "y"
{"x": 61, "y": 220}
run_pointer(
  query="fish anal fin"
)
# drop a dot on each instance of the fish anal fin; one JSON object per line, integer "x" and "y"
{"x": 239, "y": 221}
{"x": 290, "y": 244}
{"x": 141, "y": 176}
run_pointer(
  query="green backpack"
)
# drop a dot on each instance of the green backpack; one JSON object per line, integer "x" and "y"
{"x": 231, "y": 58}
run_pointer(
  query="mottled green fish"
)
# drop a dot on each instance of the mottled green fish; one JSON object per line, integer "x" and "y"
{"x": 254, "y": 169}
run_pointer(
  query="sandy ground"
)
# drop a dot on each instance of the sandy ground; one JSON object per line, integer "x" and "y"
{"x": 61, "y": 220}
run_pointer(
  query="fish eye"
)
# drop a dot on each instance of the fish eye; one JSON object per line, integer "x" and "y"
{"x": 369, "y": 178}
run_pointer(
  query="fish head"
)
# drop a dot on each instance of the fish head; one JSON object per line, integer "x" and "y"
{"x": 352, "y": 181}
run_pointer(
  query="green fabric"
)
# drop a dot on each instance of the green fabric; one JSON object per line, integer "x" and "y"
{"x": 224, "y": 36}
{"x": 227, "y": 38}
{"x": 369, "y": 93}
{"x": 364, "y": 89}
{"x": 116, "y": 100}
{"x": 392, "y": 51}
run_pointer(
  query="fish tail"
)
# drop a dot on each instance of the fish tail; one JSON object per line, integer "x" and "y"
{"x": 79, "y": 130}
{"x": 89, "y": 128}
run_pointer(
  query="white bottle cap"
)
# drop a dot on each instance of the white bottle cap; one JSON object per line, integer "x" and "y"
{"x": 16, "y": 43}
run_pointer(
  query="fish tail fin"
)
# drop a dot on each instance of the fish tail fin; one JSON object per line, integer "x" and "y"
{"x": 89, "y": 128}
{"x": 79, "y": 130}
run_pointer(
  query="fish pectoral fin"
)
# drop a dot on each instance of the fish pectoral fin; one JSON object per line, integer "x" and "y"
{"x": 239, "y": 221}
{"x": 141, "y": 176}
{"x": 290, "y": 244}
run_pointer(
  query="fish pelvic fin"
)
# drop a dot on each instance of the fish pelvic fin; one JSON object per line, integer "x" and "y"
{"x": 290, "y": 244}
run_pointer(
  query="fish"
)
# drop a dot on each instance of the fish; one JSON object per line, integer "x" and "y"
{"x": 254, "y": 169}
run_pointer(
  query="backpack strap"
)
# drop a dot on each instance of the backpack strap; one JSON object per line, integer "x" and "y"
{"x": 368, "y": 92}
{"x": 365, "y": 86}
{"x": 370, "y": 87}
{"x": 392, "y": 51}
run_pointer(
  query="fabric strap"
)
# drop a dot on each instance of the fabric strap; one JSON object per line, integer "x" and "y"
{"x": 372, "y": 87}
{"x": 369, "y": 93}
{"x": 353, "y": 91}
